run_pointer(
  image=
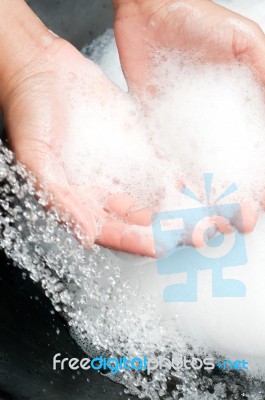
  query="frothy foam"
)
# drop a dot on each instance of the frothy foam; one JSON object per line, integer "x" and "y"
{"x": 112, "y": 302}
{"x": 209, "y": 119}
{"x": 203, "y": 118}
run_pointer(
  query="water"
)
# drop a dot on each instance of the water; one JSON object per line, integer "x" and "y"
{"x": 235, "y": 127}
{"x": 110, "y": 303}
{"x": 90, "y": 289}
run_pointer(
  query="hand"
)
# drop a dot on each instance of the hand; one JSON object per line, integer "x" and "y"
{"x": 219, "y": 35}
{"x": 39, "y": 112}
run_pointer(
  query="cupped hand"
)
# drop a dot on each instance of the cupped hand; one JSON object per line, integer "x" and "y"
{"x": 215, "y": 33}
{"x": 38, "y": 112}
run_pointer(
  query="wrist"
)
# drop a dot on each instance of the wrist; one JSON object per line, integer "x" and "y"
{"x": 24, "y": 41}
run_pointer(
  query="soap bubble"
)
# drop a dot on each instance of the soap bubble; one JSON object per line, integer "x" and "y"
{"x": 112, "y": 302}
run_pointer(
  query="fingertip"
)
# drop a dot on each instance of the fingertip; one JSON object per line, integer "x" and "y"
{"x": 245, "y": 219}
{"x": 127, "y": 238}
{"x": 125, "y": 207}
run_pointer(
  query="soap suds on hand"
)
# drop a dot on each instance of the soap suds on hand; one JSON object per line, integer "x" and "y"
{"x": 204, "y": 119}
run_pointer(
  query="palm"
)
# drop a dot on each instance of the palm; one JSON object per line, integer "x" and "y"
{"x": 39, "y": 113}
{"x": 215, "y": 33}
{"x": 218, "y": 34}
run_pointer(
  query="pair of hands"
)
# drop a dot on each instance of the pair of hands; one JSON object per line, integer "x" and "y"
{"x": 37, "y": 111}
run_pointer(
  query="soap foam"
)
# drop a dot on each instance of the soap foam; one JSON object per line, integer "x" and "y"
{"x": 203, "y": 118}
{"x": 110, "y": 151}
{"x": 113, "y": 302}
{"x": 207, "y": 119}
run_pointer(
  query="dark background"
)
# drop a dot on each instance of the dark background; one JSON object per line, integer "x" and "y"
{"x": 78, "y": 21}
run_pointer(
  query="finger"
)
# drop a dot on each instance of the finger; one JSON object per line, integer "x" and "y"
{"x": 128, "y": 238}
{"x": 142, "y": 216}
{"x": 119, "y": 204}
{"x": 126, "y": 208}
{"x": 245, "y": 219}
{"x": 255, "y": 55}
